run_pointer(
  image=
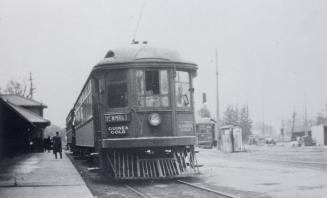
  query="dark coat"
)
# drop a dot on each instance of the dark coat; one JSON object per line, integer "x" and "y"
{"x": 57, "y": 144}
{"x": 47, "y": 143}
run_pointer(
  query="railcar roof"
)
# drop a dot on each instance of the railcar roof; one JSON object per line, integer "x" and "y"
{"x": 141, "y": 53}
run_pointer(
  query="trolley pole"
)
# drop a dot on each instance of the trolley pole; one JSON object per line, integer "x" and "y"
{"x": 217, "y": 100}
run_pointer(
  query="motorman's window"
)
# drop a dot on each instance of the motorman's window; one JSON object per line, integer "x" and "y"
{"x": 117, "y": 89}
{"x": 183, "y": 98}
{"x": 152, "y": 88}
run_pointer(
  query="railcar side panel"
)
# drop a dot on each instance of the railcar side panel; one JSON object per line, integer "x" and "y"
{"x": 185, "y": 125}
{"x": 85, "y": 135}
{"x": 69, "y": 136}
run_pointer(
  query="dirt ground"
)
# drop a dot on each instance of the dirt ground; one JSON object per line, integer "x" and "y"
{"x": 267, "y": 171}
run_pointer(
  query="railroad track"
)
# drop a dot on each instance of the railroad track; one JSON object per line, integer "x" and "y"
{"x": 207, "y": 189}
{"x": 219, "y": 193}
{"x": 138, "y": 190}
{"x": 139, "y": 193}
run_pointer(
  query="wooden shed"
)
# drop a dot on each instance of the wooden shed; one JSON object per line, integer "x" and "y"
{"x": 230, "y": 139}
{"x": 319, "y": 134}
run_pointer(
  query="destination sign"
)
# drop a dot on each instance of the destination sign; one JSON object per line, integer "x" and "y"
{"x": 118, "y": 130}
{"x": 113, "y": 118}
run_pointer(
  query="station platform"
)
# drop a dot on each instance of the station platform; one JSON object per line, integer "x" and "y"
{"x": 41, "y": 175}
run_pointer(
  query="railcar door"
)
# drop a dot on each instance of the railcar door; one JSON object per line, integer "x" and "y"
{"x": 184, "y": 104}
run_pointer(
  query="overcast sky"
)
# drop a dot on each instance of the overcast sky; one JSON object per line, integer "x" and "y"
{"x": 272, "y": 54}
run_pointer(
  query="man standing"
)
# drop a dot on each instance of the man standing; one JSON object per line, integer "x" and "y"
{"x": 47, "y": 144}
{"x": 57, "y": 145}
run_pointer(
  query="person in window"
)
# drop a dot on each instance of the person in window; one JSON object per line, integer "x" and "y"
{"x": 57, "y": 145}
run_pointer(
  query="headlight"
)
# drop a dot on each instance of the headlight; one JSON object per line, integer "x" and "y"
{"x": 154, "y": 119}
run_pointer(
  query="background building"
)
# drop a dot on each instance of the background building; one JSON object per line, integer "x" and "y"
{"x": 21, "y": 125}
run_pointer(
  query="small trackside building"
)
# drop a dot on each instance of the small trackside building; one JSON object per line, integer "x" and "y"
{"x": 21, "y": 125}
{"x": 319, "y": 134}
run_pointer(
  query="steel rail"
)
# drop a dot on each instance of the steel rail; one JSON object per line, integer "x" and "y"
{"x": 139, "y": 193}
{"x": 207, "y": 189}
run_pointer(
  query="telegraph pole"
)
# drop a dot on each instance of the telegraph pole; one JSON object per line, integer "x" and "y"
{"x": 305, "y": 120}
{"x": 31, "y": 86}
{"x": 217, "y": 100}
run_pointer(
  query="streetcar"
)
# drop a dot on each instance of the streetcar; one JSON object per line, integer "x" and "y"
{"x": 135, "y": 114}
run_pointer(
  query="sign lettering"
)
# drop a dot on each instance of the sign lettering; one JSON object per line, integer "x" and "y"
{"x": 118, "y": 130}
{"x": 114, "y": 118}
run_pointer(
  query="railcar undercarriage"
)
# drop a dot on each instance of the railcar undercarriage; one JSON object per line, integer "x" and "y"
{"x": 150, "y": 163}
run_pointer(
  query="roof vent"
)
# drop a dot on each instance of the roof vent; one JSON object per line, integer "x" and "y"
{"x": 110, "y": 54}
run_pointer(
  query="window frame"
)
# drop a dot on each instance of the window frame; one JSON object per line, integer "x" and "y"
{"x": 190, "y": 85}
{"x": 125, "y": 81}
{"x": 143, "y": 94}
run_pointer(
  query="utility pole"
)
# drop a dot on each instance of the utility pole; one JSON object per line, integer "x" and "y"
{"x": 293, "y": 122}
{"x": 305, "y": 120}
{"x": 217, "y": 100}
{"x": 31, "y": 87}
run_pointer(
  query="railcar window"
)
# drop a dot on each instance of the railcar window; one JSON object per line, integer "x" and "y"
{"x": 182, "y": 89}
{"x": 84, "y": 105}
{"x": 152, "y": 82}
{"x": 117, "y": 89}
{"x": 152, "y": 88}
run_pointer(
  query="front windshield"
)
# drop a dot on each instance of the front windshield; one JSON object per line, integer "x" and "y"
{"x": 117, "y": 89}
{"x": 152, "y": 88}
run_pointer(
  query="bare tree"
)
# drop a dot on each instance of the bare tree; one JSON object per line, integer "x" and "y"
{"x": 320, "y": 119}
{"x": 231, "y": 115}
{"x": 204, "y": 112}
{"x": 245, "y": 122}
{"x": 16, "y": 87}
